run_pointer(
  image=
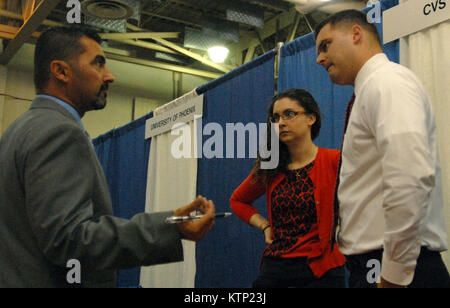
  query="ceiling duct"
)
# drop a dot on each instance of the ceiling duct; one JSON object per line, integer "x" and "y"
{"x": 107, "y": 9}
{"x": 222, "y": 29}
{"x": 246, "y": 14}
{"x": 110, "y": 15}
{"x": 194, "y": 38}
{"x": 114, "y": 25}
{"x": 273, "y": 4}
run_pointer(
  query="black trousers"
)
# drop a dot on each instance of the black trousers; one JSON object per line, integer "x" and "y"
{"x": 295, "y": 273}
{"x": 430, "y": 270}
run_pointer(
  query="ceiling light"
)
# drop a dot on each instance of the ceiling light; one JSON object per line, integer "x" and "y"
{"x": 218, "y": 54}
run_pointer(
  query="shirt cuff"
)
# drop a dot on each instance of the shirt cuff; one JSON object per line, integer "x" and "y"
{"x": 397, "y": 273}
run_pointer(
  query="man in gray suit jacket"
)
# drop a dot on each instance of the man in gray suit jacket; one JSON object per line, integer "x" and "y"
{"x": 55, "y": 205}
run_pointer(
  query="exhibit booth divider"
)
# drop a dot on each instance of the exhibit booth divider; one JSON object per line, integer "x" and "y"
{"x": 229, "y": 256}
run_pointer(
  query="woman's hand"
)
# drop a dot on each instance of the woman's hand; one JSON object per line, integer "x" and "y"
{"x": 262, "y": 224}
{"x": 268, "y": 235}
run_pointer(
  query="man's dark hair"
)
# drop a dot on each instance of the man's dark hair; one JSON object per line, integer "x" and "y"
{"x": 350, "y": 17}
{"x": 59, "y": 43}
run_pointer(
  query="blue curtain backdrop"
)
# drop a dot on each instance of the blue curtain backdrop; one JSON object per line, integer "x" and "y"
{"x": 124, "y": 153}
{"x": 298, "y": 69}
{"x": 229, "y": 255}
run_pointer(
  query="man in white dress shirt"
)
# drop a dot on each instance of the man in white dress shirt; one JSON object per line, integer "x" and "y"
{"x": 390, "y": 198}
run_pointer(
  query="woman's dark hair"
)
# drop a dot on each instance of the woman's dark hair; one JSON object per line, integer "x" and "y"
{"x": 305, "y": 100}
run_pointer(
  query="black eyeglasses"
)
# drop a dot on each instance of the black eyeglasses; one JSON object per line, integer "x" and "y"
{"x": 287, "y": 115}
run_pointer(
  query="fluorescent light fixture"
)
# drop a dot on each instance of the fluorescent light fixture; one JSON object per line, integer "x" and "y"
{"x": 218, "y": 54}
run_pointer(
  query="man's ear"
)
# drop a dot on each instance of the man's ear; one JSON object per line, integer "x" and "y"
{"x": 60, "y": 70}
{"x": 357, "y": 34}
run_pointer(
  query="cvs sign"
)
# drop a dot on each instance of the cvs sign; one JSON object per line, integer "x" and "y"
{"x": 413, "y": 16}
{"x": 434, "y": 6}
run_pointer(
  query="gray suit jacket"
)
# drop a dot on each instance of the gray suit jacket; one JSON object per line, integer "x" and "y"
{"x": 55, "y": 206}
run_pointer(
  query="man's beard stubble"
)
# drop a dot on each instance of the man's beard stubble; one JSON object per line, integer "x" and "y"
{"x": 100, "y": 101}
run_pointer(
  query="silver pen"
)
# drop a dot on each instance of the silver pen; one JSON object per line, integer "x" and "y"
{"x": 178, "y": 219}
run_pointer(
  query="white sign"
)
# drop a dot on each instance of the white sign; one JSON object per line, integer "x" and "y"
{"x": 413, "y": 16}
{"x": 181, "y": 114}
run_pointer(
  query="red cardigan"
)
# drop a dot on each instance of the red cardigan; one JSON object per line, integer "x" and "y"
{"x": 323, "y": 175}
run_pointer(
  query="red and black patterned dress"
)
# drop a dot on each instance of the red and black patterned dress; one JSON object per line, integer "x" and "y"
{"x": 294, "y": 216}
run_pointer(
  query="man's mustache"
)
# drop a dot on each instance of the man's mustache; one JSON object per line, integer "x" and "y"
{"x": 104, "y": 87}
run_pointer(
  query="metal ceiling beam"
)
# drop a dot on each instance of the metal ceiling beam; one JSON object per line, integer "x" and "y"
{"x": 273, "y": 4}
{"x": 134, "y": 28}
{"x": 294, "y": 29}
{"x": 260, "y": 41}
{"x": 197, "y": 8}
{"x": 13, "y": 15}
{"x": 28, "y": 8}
{"x": 30, "y": 25}
{"x": 308, "y": 23}
{"x": 191, "y": 54}
{"x": 10, "y": 32}
{"x": 138, "y": 35}
{"x": 40, "y": 14}
{"x": 186, "y": 52}
{"x": 164, "y": 66}
{"x": 248, "y": 41}
{"x": 148, "y": 45}
{"x": 216, "y": 14}
{"x": 185, "y": 22}
{"x": 250, "y": 54}
{"x": 6, "y": 32}
{"x": 139, "y": 43}
{"x": 116, "y": 51}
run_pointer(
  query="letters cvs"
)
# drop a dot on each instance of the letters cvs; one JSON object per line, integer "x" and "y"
{"x": 434, "y": 6}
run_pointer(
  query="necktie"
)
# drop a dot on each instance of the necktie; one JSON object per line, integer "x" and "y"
{"x": 348, "y": 111}
{"x": 336, "y": 200}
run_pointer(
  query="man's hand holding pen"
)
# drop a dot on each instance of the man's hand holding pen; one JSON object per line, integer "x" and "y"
{"x": 195, "y": 230}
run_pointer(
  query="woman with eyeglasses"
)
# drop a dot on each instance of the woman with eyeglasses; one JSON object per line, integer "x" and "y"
{"x": 300, "y": 196}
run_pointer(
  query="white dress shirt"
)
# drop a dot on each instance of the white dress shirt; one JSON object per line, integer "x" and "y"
{"x": 390, "y": 182}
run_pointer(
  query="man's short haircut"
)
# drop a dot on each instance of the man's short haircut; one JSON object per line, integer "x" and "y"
{"x": 351, "y": 17}
{"x": 58, "y": 43}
